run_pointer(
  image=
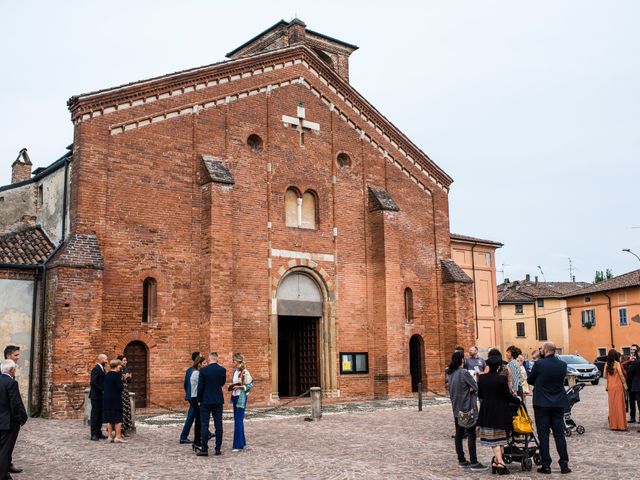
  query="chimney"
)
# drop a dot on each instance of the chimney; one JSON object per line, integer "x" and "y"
{"x": 536, "y": 279}
{"x": 21, "y": 168}
{"x": 296, "y": 31}
{"x": 527, "y": 277}
{"x": 506, "y": 280}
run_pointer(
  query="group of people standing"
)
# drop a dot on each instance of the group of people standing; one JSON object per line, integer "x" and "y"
{"x": 203, "y": 385}
{"x": 623, "y": 387}
{"x": 487, "y": 394}
{"x": 12, "y": 412}
{"x": 110, "y": 400}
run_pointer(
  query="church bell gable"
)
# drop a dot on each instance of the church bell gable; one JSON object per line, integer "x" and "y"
{"x": 333, "y": 52}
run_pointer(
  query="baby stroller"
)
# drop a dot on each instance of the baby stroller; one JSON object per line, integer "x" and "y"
{"x": 573, "y": 395}
{"x": 522, "y": 448}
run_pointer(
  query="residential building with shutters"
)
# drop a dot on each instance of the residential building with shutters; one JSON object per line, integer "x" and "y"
{"x": 605, "y": 315}
{"x": 532, "y": 312}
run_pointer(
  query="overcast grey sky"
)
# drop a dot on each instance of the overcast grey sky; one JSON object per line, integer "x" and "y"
{"x": 532, "y": 107}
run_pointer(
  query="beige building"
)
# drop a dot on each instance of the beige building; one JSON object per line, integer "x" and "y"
{"x": 477, "y": 258}
{"x": 533, "y": 312}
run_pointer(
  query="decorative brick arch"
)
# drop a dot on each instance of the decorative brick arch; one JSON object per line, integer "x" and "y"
{"x": 135, "y": 337}
{"x": 301, "y": 265}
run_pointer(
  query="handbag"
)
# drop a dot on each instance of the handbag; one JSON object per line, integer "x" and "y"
{"x": 467, "y": 419}
{"x": 522, "y": 422}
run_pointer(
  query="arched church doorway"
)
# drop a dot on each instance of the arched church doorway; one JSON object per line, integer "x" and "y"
{"x": 416, "y": 361}
{"x": 137, "y": 363}
{"x": 299, "y": 314}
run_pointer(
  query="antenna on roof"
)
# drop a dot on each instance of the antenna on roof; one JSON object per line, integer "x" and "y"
{"x": 542, "y": 273}
{"x": 572, "y": 277}
{"x": 502, "y": 271}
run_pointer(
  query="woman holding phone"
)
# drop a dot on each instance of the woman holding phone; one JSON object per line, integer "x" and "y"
{"x": 242, "y": 383}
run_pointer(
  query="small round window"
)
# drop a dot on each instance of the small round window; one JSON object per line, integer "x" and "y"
{"x": 254, "y": 142}
{"x": 344, "y": 161}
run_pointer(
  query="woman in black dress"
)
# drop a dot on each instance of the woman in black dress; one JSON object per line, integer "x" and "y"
{"x": 127, "y": 424}
{"x": 495, "y": 418}
{"x": 112, "y": 401}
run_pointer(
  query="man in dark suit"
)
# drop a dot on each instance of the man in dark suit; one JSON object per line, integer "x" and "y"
{"x": 12, "y": 415}
{"x": 184, "y": 436}
{"x": 95, "y": 395}
{"x": 549, "y": 404}
{"x": 12, "y": 352}
{"x": 212, "y": 379}
{"x": 633, "y": 382}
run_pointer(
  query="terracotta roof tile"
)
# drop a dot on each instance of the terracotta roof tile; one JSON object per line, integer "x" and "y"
{"x": 25, "y": 247}
{"x": 626, "y": 280}
{"x": 452, "y": 273}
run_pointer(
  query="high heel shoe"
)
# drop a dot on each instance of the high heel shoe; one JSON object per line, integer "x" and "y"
{"x": 196, "y": 448}
{"x": 119, "y": 440}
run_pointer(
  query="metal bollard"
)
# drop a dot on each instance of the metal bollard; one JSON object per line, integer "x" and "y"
{"x": 420, "y": 396}
{"x": 87, "y": 407}
{"x": 316, "y": 404}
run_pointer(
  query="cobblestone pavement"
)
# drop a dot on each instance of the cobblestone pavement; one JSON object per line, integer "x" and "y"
{"x": 366, "y": 440}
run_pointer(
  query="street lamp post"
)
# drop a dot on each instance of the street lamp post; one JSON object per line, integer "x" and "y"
{"x": 628, "y": 250}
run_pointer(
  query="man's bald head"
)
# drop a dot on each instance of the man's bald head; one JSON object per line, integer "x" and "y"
{"x": 102, "y": 359}
{"x": 549, "y": 349}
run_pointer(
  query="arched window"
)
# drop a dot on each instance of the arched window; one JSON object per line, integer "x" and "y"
{"x": 301, "y": 211}
{"x": 408, "y": 305}
{"x": 255, "y": 143}
{"x": 343, "y": 160}
{"x": 291, "y": 207}
{"x": 149, "y": 300}
{"x": 308, "y": 217}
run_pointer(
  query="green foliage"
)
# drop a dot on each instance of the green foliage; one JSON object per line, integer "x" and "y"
{"x": 602, "y": 276}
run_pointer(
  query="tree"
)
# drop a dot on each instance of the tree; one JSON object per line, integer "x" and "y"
{"x": 602, "y": 276}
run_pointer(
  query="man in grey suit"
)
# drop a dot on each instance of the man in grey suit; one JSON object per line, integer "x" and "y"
{"x": 12, "y": 415}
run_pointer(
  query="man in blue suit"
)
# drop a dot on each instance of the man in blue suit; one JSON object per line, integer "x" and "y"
{"x": 212, "y": 379}
{"x": 184, "y": 436}
{"x": 549, "y": 404}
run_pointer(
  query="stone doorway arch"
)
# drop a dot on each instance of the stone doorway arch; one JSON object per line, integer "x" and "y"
{"x": 302, "y": 307}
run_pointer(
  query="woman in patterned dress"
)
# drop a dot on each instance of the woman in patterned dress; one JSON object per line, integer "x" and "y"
{"x": 495, "y": 418}
{"x": 127, "y": 424}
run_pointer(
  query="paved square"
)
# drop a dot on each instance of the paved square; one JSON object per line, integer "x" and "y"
{"x": 370, "y": 441}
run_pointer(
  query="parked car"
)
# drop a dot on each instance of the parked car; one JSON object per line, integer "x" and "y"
{"x": 581, "y": 368}
{"x": 600, "y": 362}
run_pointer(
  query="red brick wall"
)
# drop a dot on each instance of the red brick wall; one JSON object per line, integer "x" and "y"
{"x": 75, "y": 337}
{"x": 143, "y": 193}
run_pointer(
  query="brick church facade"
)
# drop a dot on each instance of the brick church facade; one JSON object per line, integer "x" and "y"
{"x": 258, "y": 205}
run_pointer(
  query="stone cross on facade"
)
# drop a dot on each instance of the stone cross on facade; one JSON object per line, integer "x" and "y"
{"x": 300, "y": 123}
